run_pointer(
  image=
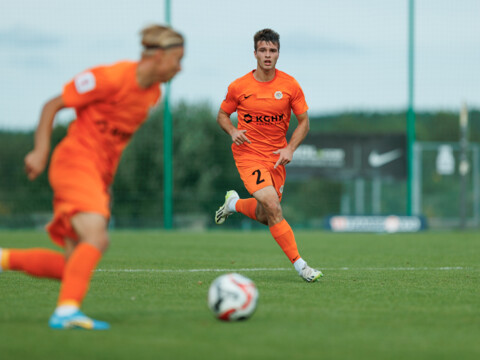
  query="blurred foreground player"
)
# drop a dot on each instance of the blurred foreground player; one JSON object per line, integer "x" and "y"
{"x": 264, "y": 100}
{"x": 111, "y": 103}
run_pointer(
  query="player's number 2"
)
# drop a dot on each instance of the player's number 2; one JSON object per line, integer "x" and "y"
{"x": 259, "y": 176}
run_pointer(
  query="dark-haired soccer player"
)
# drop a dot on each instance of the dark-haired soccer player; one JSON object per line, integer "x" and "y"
{"x": 111, "y": 103}
{"x": 264, "y": 100}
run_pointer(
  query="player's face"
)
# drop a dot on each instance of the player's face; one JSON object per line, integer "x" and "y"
{"x": 169, "y": 64}
{"x": 267, "y": 55}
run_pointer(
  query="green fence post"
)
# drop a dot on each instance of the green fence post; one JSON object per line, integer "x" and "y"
{"x": 167, "y": 149}
{"x": 411, "y": 111}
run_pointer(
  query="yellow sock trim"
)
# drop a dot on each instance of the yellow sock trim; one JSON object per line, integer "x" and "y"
{"x": 4, "y": 259}
{"x": 69, "y": 303}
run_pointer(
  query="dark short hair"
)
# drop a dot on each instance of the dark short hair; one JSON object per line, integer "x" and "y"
{"x": 267, "y": 35}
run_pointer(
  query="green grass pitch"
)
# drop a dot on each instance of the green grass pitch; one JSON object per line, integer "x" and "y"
{"x": 409, "y": 296}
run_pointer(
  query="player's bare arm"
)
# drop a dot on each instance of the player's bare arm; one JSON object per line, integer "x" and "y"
{"x": 36, "y": 160}
{"x": 238, "y": 136}
{"x": 301, "y": 131}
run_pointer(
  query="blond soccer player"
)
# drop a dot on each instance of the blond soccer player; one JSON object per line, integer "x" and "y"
{"x": 111, "y": 103}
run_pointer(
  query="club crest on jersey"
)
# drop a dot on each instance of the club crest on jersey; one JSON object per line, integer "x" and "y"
{"x": 278, "y": 95}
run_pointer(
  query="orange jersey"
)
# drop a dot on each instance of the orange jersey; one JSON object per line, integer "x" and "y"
{"x": 264, "y": 110}
{"x": 110, "y": 107}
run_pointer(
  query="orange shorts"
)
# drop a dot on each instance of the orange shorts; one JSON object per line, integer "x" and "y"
{"x": 257, "y": 174}
{"x": 77, "y": 187}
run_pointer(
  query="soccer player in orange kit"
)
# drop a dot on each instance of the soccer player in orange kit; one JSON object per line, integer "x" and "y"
{"x": 264, "y": 100}
{"x": 111, "y": 103}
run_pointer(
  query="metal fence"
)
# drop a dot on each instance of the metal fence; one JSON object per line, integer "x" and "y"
{"x": 441, "y": 192}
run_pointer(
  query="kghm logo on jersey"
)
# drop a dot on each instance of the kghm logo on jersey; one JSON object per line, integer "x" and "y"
{"x": 263, "y": 119}
{"x": 104, "y": 128}
{"x": 278, "y": 95}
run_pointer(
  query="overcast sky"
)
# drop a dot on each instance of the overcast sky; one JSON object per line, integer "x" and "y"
{"x": 346, "y": 54}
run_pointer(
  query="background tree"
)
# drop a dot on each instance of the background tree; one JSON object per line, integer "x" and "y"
{"x": 203, "y": 168}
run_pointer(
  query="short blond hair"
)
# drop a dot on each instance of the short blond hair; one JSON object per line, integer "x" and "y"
{"x": 160, "y": 37}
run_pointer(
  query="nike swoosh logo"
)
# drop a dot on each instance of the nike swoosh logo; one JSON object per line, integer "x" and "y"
{"x": 376, "y": 160}
{"x": 246, "y": 97}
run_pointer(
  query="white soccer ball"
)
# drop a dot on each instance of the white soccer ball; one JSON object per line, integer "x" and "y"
{"x": 232, "y": 297}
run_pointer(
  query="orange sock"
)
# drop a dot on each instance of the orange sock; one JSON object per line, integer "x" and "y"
{"x": 77, "y": 275}
{"x": 247, "y": 207}
{"x": 283, "y": 235}
{"x": 36, "y": 262}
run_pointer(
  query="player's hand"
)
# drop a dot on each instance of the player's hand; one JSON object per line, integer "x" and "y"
{"x": 239, "y": 137}
{"x": 35, "y": 163}
{"x": 285, "y": 157}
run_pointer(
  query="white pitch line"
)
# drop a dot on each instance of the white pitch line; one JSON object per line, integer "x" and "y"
{"x": 192, "y": 270}
{"x": 443, "y": 268}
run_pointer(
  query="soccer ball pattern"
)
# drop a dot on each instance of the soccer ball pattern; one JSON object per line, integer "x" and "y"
{"x": 232, "y": 297}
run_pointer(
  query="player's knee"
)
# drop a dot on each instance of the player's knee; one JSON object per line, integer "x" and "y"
{"x": 92, "y": 229}
{"x": 98, "y": 239}
{"x": 260, "y": 214}
{"x": 261, "y": 217}
{"x": 102, "y": 241}
{"x": 272, "y": 207}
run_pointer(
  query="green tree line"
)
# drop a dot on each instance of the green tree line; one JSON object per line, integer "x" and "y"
{"x": 203, "y": 168}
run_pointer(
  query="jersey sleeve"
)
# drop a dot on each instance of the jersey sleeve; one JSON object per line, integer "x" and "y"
{"x": 230, "y": 103}
{"x": 298, "y": 102}
{"x": 87, "y": 87}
